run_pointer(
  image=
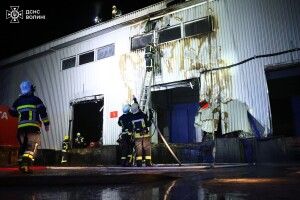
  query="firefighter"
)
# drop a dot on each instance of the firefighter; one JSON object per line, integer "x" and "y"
{"x": 79, "y": 141}
{"x": 115, "y": 12}
{"x": 125, "y": 139}
{"x": 142, "y": 138}
{"x": 31, "y": 112}
{"x": 65, "y": 148}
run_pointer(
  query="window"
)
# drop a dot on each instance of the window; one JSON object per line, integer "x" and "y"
{"x": 201, "y": 26}
{"x": 86, "y": 58}
{"x": 169, "y": 34}
{"x": 140, "y": 42}
{"x": 68, "y": 63}
{"x": 106, "y": 51}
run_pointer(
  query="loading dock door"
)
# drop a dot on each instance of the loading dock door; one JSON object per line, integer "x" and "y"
{"x": 284, "y": 91}
{"x": 182, "y": 123}
{"x": 176, "y": 107}
{"x": 88, "y": 120}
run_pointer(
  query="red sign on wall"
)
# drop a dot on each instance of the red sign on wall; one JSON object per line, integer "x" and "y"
{"x": 113, "y": 114}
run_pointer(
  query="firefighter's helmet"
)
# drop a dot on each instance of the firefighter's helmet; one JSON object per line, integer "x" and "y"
{"x": 134, "y": 108}
{"x": 26, "y": 87}
{"x": 126, "y": 108}
{"x": 78, "y": 134}
{"x": 66, "y": 137}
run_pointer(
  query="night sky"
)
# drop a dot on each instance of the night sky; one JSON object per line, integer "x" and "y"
{"x": 62, "y": 18}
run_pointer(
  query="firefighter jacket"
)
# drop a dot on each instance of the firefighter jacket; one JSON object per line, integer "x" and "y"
{"x": 140, "y": 123}
{"x": 125, "y": 122}
{"x": 79, "y": 142}
{"x": 66, "y": 145}
{"x": 30, "y": 110}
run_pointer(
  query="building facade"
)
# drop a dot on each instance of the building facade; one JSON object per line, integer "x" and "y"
{"x": 219, "y": 50}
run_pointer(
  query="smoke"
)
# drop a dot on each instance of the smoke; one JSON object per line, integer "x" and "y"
{"x": 98, "y": 8}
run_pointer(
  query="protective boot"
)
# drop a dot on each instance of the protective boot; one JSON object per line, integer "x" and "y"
{"x": 129, "y": 161}
{"x": 25, "y": 166}
{"x": 148, "y": 163}
{"x": 20, "y": 162}
{"x": 25, "y": 169}
{"x": 123, "y": 162}
{"x": 139, "y": 163}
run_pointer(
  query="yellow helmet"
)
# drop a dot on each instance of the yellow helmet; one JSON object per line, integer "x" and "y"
{"x": 66, "y": 137}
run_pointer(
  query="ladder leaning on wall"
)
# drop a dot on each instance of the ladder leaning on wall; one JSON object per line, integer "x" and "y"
{"x": 145, "y": 94}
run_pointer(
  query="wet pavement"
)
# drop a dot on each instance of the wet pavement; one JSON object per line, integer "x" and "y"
{"x": 161, "y": 182}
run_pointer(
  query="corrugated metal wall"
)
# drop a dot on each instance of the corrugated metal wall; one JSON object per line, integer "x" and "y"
{"x": 242, "y": 29}
{"x": 253, "y": 28}
{"x": 57, "y": 88}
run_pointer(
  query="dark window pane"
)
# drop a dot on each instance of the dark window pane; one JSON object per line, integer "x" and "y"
{"x": 86, "y": 58}
{"x": 169, "y": 34}
{"x": 140, "y": 42}
{"x": 68, "y": 63}
{"x": 199, "y": 27}
{"x": 106, "y": 51}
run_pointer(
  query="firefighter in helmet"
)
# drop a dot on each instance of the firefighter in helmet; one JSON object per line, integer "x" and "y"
{"x": 31, "y": 112}
{"x": 125, "y": 139}
{"x": 115, "y": 12}
{"x": 142, "y": 137}
{"x": 79, "y": 141}
{"x": 65, "y": 148}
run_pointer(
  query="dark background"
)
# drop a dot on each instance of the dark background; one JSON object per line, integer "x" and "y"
{"x": 62, "y": 18}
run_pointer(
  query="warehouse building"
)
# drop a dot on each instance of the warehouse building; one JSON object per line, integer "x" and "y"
{"x": 240, "y": 56}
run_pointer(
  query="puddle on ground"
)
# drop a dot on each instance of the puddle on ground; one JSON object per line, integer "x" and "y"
{"x": 189, "y": 187}
{"x": 168, "y": 190}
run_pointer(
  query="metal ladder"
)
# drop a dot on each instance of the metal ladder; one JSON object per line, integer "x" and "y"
{"x": 145, "y": 94}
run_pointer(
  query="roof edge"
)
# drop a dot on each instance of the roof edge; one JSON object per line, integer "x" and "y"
{"x": 96, "y": 30}
{"x": 50, "y": 46}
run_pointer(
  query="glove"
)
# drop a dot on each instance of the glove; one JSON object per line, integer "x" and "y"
{"x": 134, "y": 99}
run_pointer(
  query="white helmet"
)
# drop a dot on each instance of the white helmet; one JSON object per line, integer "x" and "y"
{"x": 135, "y": 108}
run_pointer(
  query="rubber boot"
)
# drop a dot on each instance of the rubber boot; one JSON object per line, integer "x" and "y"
{"x": 148, "y": 163}
{"x": 20, "y": 163}
{"x": 123, "y": 162}
{"x": 25, "y": 166}
{"x": 139, "y": 163}
{"x": 128, "y": 163}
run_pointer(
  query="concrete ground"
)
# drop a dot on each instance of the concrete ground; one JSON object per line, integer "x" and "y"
{"x": 225, "y": 181}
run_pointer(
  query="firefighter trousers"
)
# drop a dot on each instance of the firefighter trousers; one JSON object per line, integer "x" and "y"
{"x": 29, "y": 142}
{"x": 143, "y": 145}
{"x": 126, "y": 147}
